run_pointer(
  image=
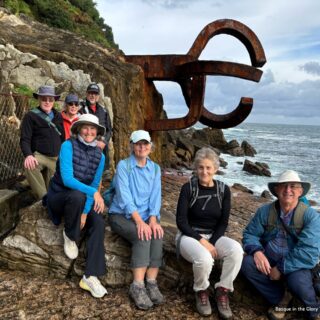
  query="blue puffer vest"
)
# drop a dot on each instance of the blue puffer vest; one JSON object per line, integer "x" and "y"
{"x": 85, "y": 161}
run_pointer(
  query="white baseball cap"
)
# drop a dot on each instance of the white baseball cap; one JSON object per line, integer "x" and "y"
{"x": 140, "y": 135}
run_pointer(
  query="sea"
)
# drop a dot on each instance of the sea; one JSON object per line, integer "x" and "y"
{"x": 282, "y": 147}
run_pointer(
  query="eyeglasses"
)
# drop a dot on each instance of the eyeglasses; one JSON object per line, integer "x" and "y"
{"x": 291, "y": 186}
{"x": 70, "y": 104}
{"x": 47, "y": 99}
{"x": 93, "y": 93}
{"x": 141, "y": 144}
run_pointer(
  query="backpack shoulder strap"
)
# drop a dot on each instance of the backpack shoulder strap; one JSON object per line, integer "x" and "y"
{"x": 273, "y": 216}
{"x": 220, "y": 191}
{"x": 194, "y": 190}
{"x": 128, "y": 165}
{"x": 298, "y": 216}
{"x": 45, "y": 117}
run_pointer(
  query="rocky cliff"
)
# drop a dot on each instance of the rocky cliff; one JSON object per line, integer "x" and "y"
{"x": 33, "y": 54}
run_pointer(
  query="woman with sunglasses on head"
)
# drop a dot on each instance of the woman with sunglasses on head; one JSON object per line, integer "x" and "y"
{"x": 70, "y": 113}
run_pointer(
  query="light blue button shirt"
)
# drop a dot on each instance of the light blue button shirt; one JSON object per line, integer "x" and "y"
{"x": 137, "y": 189}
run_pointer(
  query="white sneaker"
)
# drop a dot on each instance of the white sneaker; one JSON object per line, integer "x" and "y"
{"x": 93, "y": 285}
{"x": 70, "y": 247}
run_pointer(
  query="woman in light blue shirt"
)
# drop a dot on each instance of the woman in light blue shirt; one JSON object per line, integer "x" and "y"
{"x": 135, "y": 215}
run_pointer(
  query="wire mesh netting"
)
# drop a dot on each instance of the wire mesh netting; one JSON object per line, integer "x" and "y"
{"x": 12, "y": 109}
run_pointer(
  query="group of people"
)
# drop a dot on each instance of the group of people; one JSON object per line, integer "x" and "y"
{"x": 280, "y": 242}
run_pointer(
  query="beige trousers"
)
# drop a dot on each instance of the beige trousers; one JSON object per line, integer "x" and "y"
{"x": 39, "y": 178}
{"x": 229, "y": 251}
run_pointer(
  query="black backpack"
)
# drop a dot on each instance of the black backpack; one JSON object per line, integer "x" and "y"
{"x": 194, "y": 189}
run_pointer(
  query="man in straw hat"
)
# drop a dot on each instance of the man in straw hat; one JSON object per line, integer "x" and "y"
{"x": 282, "y": 244}
{"x": 40, "y": 140}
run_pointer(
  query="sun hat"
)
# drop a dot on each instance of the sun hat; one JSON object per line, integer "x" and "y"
{"x": 71, "y": 98}
{"x": 289, "y": 176}
{"x": 46, "y": 91}
{"x": 93, "y": 87}
{"x": 140, "y": 135}
{"x": 88, "y": 119}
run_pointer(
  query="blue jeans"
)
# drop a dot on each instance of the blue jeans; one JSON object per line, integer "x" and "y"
{"x": 298, "y": 282}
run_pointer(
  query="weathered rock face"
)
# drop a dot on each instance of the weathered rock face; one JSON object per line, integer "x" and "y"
{"x": 37, "y": 245}
{"x": 34, "y": 54}
{"x": 257, "y": 168}
{"x": 248, "y": 149}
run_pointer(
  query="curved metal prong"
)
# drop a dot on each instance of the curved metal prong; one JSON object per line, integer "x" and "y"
{"x": 228, "y": 120}
{"x": 196, "y": 97}
{"x": 220, "y": 68}
{"x": 233, "y": 28}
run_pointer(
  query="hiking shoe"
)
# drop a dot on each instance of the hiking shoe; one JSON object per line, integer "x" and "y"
{"x": 154, "y": 293}
{"x": 202, "y": 303}
{"x": 140, "y": 297}
{"x": 70, "y": 247}
{"x": 222, "y": 300}
{"x": 279, "y": 311}
{"x": 94, "y": 286}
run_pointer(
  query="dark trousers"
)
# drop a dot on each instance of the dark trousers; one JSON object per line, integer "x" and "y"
{"x": 70, "y": 204}
{"x": 298, "y": 282}
{"x": 145, "y": 253}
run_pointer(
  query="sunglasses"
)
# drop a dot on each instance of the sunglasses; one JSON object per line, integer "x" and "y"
{"x": 93, "y": 93}
{"x": 47, "y": 99}
{"x": 70, "y": 104}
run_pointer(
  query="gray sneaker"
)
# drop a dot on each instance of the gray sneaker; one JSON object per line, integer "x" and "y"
{"x": 154, "y": 293}
{"x": 140, "y": 297}
{"x": 222, "y": 300}
{"x": 202, "y": 303}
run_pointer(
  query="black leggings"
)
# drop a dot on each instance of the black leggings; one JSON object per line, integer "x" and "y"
{"x": 70, "y": 204}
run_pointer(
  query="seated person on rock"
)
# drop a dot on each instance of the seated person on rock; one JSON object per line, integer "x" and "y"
{"x": 40, "y": 140}
{"x": 282, "y": 244}
{"x": 73, "y": 193}
{"x": 70, "y": 113}
{"x": 134, "y": 214}
{"x": 202, "y": 219}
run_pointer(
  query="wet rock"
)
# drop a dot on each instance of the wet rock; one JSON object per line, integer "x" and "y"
{"x": 248, "y": 149}
{"x": 256, "y": 168}
{"x": 242, "y": 188}
{"x": 266, "y": 194}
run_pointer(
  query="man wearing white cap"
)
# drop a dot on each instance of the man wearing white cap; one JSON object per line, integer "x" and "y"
{"x": 282, "y": 244}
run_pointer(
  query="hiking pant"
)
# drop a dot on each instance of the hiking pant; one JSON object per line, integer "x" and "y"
{"x": 298, "y": 282}
{"x": 39, "y": 177}
{"x": 229, "y": 251}
{"x": 145, "y": 253}
{"x": 70, "y": 204}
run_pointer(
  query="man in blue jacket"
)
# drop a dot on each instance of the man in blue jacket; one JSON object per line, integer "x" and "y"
{"x": 282, "y": 244}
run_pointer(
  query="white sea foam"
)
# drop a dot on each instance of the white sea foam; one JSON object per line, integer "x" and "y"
{"x": 281, "y": 147}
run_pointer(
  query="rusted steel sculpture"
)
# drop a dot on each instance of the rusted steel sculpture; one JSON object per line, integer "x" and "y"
{"x": 190, "y": 73}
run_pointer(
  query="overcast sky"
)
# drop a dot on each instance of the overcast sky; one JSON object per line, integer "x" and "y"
{"x": 289, "y": 30}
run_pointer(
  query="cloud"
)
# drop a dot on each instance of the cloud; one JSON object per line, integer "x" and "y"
{"x": 289, "y": 88}
{"x": 311, "y": 67}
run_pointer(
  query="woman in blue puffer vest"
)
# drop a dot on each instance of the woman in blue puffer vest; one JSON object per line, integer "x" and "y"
{"x": 73, "y": 193}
